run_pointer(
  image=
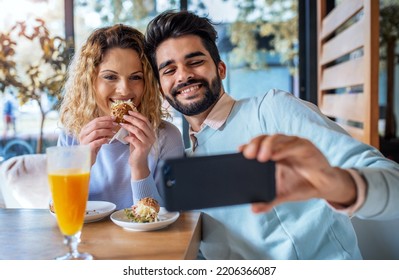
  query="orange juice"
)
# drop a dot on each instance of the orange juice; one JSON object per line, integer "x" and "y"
{"x": 70, "y": 189}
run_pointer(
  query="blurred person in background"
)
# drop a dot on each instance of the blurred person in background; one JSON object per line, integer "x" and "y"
{"x": 9, "y": 109}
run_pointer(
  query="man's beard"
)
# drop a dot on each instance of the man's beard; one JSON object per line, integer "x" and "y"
{"x": 211, "y": 96}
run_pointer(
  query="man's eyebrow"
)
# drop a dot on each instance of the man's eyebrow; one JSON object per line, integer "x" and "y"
{"x": 164, "y": 64}
{"x": 170, "y": 61}
{"x": 194, "y": 54}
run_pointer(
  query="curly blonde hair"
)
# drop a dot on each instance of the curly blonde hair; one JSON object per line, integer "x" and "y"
{"x": 78, "y": 106}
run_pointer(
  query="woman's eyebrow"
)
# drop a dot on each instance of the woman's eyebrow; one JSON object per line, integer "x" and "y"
{"x": 108, "y": 70}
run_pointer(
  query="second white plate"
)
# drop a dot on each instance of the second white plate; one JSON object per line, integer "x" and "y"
{"x": 96, "y": 210}
{"x": 165, "y": 219}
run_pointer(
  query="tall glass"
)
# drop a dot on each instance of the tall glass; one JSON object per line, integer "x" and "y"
{"x": 68, "y": 170}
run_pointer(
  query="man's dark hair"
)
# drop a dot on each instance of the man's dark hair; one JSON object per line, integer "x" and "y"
{"x": 173, "y": 24}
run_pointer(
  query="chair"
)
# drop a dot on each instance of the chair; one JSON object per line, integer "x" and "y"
{"x": 377, "y": 239}
{"x": 2, "y": 202}
{"x": 23, "y": 182}
{"x": 348, "y": 52}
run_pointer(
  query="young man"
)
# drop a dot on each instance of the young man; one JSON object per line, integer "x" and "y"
{"x": 323, "y": 174}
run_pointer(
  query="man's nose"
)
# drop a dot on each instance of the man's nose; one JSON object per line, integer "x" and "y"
{"x": 184, "y": 74}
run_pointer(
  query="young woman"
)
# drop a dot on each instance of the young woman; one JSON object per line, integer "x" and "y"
{"x": 111, "y": 67}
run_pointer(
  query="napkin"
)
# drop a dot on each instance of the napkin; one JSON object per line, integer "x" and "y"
{"x": 122, "y": 133}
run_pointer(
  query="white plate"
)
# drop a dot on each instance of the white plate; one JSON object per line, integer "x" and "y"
{"x": 97, "y": 210}
{"x": 165, "y": 218}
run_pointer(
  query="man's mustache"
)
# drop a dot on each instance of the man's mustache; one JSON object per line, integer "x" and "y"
{"x": 175, "y": 90}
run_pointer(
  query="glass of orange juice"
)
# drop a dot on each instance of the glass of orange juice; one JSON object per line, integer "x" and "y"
{"x": 68, "y": 170}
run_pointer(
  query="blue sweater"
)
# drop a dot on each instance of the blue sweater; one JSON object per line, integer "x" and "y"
{"x": 110, "y": 178}
{"x": 296, "y": 230}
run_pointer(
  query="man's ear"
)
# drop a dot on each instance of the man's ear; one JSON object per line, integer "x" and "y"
{"x": 222, "y": 69}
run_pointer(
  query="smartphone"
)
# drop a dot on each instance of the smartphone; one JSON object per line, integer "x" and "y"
{"x": 211, "y": 181}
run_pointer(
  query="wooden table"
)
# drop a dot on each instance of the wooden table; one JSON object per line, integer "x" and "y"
{"x": 33, "y": 234}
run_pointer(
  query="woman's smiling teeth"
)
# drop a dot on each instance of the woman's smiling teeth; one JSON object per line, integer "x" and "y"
{"x": 120, "y": 100}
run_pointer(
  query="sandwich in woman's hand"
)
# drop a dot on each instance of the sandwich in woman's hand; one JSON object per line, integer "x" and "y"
{"x": 119, "y": 108}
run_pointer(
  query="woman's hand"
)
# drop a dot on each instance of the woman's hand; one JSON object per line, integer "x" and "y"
{"x": 141, "y": 138}
{"x": 302, "y": 171}
{"x": 96, "y": 133}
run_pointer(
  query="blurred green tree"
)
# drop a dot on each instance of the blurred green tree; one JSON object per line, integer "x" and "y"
{"x": 261, "y": 27}
{"x": 277, "y": 20}
{"x": 34, "y": 80}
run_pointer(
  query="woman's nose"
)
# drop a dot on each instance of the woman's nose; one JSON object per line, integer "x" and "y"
{"x": 123, "y": 88}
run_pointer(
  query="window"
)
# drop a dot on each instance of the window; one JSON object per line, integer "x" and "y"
{"x": 258, "y": 41}
{"x": 29, "y": 103}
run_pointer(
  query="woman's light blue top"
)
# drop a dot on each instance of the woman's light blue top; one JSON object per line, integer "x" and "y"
{"x": 110, "y": 178}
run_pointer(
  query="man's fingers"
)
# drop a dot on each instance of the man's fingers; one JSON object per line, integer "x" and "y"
{"x": 272, "y": 145}
{"x": 250, "y": 150}
{"x": 261, "y": 207}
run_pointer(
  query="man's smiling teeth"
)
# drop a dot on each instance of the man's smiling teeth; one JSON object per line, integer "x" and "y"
{"x": 187, "y": 90}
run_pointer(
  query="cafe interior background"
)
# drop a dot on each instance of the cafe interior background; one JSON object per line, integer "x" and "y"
{"x": 265, "y": 44}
